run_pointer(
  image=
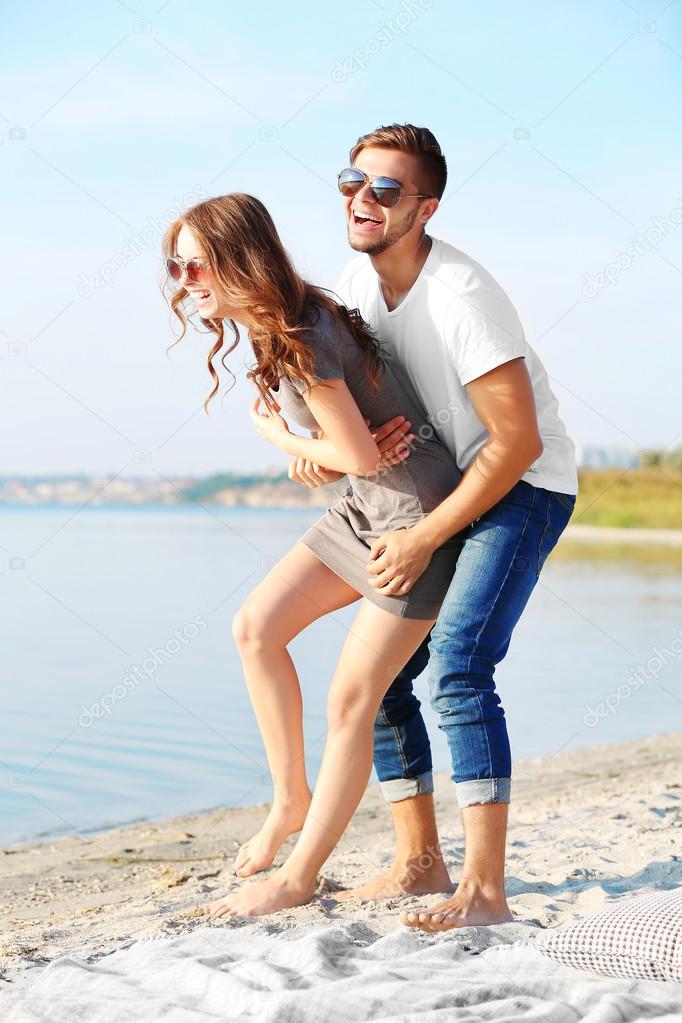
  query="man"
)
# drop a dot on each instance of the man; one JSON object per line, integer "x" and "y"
{"x": 453, "y": 336}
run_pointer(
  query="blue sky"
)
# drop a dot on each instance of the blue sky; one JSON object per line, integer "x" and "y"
{"x": 560, "y": 122}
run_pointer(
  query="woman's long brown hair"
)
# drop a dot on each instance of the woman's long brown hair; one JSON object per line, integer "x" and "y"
{"x": 257, "y": 277}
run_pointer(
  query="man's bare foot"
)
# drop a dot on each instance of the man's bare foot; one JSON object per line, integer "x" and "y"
{"x": 263, "y": 897}
{"x": 470, "y": 906}
{"x": 422, "y": 876}
{"x": 259, "y": 851}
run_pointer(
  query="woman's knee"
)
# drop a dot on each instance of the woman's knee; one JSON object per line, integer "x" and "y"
{"x": 349, "y": 707}
{"x": 249, "y": 627}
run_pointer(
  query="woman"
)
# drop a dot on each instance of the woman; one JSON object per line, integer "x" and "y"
{"x": 329, "y": 375}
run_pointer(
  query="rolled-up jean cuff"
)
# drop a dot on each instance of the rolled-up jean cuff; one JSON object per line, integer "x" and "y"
{"x": 483, "y": 790}
{"x": 404, "y": 788}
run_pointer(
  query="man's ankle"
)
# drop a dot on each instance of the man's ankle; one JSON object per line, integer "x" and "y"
{"x": 491, "y": 889}
{"x": 423, "y": 858}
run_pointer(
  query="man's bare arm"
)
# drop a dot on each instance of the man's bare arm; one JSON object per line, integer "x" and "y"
{"x": 504, "y": 402}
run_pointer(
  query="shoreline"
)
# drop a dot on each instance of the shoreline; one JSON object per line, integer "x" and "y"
{"x": 631, "y": 536}
{"x": 585, "y": 827}
{"x": 12, "y": 846}
{"x": 626, "y": 535}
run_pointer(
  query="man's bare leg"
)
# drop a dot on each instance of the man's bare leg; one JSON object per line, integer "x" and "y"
{"x": 480, "y": 896}
{"x": 418, "y": 867}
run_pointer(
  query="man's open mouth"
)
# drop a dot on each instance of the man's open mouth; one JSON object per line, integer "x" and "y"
{"x": 365, "y": 219}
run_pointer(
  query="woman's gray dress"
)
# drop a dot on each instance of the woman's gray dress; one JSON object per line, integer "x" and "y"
{"x": 396, "y": 497}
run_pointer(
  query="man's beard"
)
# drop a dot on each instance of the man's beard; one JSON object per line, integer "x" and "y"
{"x": 398, "y": 231}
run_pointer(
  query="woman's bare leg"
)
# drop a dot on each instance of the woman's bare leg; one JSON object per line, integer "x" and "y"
{"x": 298, "y": 590}
{"x": 378, "y": 645}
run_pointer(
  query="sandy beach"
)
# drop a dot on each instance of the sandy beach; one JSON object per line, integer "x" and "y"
{"x": 586, "y": 827}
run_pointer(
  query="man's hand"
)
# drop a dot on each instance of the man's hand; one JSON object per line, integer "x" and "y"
{"x": 397, "y": 559}
{"x": 312, "y": 475}
{"x": 393, "y": 440}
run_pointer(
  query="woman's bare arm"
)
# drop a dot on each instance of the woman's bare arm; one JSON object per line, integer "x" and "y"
{"x": 347, "y": 444}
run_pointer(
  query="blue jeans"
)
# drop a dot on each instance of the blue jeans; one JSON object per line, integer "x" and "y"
{"x": 499, "y": 565}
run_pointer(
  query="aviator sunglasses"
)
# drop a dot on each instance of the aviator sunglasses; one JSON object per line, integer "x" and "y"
{"x": 385, "y": 191}
{"x": 195, "y": 269}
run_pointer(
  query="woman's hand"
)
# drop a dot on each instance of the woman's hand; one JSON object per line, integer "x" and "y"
{"x": 311, "y": 474}
{"x": 269, "y": 424}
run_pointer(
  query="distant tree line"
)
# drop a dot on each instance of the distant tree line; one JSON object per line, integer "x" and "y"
{"x": 663, "y": 457}
{"x": 212, "y": 485}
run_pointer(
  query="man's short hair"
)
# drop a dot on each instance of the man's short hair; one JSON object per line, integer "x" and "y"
{"x": 408, "y": 139}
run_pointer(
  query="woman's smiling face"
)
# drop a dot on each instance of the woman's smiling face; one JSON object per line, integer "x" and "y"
{"x": 207, "y": 294}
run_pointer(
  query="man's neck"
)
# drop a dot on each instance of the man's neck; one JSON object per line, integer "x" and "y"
{"x": 399, "y": 267}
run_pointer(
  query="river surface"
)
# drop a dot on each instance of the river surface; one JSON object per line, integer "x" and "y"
{"x": 122, "y": 689}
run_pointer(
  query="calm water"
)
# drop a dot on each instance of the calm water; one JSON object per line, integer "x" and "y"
{"x": 122, "y": 690}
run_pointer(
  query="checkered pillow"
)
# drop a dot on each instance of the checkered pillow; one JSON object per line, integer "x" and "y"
{"x": 639, "y": 938}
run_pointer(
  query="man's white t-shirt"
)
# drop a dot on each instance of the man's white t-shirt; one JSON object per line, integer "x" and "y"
{"x": 455, "y": 324}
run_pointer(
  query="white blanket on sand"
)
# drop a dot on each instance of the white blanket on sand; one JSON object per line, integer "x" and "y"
{"x": 332, "y": 974}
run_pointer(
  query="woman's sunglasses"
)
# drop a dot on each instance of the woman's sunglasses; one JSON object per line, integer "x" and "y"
{"x": 385, "y": 191}
{"x": 194, "y": 269}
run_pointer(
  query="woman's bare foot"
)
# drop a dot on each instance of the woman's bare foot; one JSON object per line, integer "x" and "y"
{"x": 259, "y": 851}
{"x": 414, "y": 877}
{"x": 262, "y": 897}
{"x": 470, "y": 906}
